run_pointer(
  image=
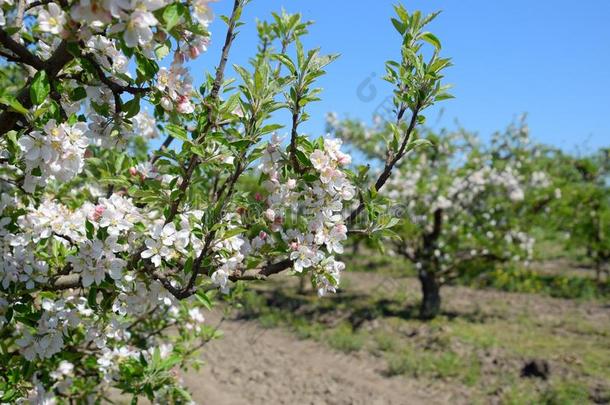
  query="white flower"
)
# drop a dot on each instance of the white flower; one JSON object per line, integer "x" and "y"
{"x": 168, "y": 234}
{"x": 516, "y": 195}
{"x": 92, "y": 13}
{"x": 176, "y": 83}
{"x": 319, "y": 160}
{"x": 328, "y": 279}
{"x": 304, "y": 258}
{"x": 145, "y": 125}
{"x": 220, "y": 278}
{"x": 196, "y": 315}
{"x": 52, "y": 20}
{"x": 64, "y": 369}
{"x": 115, "y": 222}
{"x": 137, "y": 28}
{"x": 203, "y": 12}
{"x": 337, "y": 235}
{"x": 156, "y": 250}
{"x": 59, "y": 152}
{"x": 181, "y": 240}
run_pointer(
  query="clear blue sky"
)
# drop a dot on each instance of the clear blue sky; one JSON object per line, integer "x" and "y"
{"x": 550, "y": 59}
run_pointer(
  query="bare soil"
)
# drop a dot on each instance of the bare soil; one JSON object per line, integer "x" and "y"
{"x": 255, "y": 365}
{"x": 252, "y": 365}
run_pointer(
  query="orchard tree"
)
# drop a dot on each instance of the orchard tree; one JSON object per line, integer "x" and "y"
{"x": 111, "y": 251}
{"x": 464, "y": 206}
{"x": 585, "y": 210}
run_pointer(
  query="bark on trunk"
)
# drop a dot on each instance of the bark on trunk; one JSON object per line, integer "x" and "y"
{"x": 431, "y": 298}
{"x": 302, "y": 285}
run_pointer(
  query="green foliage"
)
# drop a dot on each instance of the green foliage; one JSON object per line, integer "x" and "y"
{"x": 530, "y": 281}
{"x": 40, "y": 87}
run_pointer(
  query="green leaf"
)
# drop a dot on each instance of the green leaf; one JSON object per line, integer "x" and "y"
{"x": 171, "y": 15}
{"x": 78, "y": 93}
{"x": 177, "y": 132}
{"x": 285, "y": 60}
{"x": 92, "y": 297}
{"x": 90, "y": 230}
{"x": 417, "y": 143}
{"x": 400, "y": 27}
{"x": 40, "y": 88}
{"x": 233, "y": 232}
{"x": 242, "y": 144}
{"x": 145, "y": 68}
{"x": 443, "y": 96}
{"x": 431, "y": 39}
{"x": 162, "y": 50}
{"x": 13, "y": 103}
{"x": 270, "y": 128}
{"x": 303, "y": 159}
{"x": 204, "y": 299}
{"x": 132, "y": 107}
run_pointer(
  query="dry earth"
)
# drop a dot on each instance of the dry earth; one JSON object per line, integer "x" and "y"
{"x": 254, "y": 365}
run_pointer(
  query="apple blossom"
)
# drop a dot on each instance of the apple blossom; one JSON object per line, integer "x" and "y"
{"x": 110, "y": 248}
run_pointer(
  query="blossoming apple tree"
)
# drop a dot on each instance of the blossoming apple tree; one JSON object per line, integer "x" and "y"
{"x": 463, "y": 205}
{"x": 111, "y": 250}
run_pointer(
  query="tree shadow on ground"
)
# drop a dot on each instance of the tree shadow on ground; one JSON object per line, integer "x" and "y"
{"x": 351, "y": 307}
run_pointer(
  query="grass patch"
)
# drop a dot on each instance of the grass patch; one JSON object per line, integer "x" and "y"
{"x": 522, "y": 280}
{"x": 480, "y": 353}
{"x": 343, "y": 338}
{"x": 565, "y": 393}
{"x": 532, "y": 282}
{"x": 385, "y": 342}
{"x": 441, "y": 365}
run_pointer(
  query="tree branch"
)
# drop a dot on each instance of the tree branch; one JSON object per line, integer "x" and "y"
{"x": 391, "y": 159}
{"x": 293, "y": 138}
{"x": 20, "y": 51}
{"x": 61, "y": 57}
{"x": 194, "y": 160}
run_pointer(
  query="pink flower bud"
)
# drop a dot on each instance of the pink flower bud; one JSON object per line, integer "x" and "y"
{"x": 270, "y": 215}
{"x": 98, "y": 211}
{"x": 343, "y": 158}
{"x": 133, "y": 171}
{"x": 184, "y": 105}
{"x": 194, "y": 52}
{"x": 258, "y": 197}
{"x": 262, "y": 235}
{"x": 179, "y": 57}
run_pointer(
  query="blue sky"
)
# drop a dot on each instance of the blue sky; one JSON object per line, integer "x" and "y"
{"x": 549, "y": 59}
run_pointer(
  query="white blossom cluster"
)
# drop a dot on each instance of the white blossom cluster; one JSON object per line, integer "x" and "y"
{"x": 94, "y": 260}
{"x": 319, "y": 204}
{"x": 57, "y": 151}
{"x": 364, "y": 138}
{"x": 104, "y": 28}
{"x": 96, "y": 237}
{"x": 475, "y": 196}
{"x": 176, "y": 86}
{"x": 166, "y": 242}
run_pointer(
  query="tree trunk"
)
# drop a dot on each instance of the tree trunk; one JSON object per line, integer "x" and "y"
{"x": 302, "y": 285}
{"x": 431, "y": 298}
{"x": 356, "y": 246}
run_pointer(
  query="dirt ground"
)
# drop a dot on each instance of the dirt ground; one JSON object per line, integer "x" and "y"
{"x": 256, "y": 365}
{"x": 252, "y": 365}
